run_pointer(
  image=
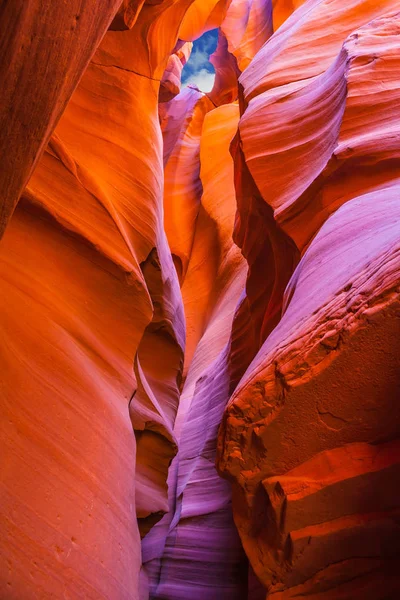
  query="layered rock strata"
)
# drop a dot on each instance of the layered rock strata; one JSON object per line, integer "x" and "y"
{"x": 200, "y": 301}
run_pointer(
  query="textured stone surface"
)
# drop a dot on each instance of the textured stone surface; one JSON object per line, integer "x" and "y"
{"x": 326, "y": 379}
{"x": 92, "y": 296}
{"x": 195, "y": 550}
{"x": 38, "y": 73}
{"x": 298, "y": 412}
{"x": 199, "y": 299}
{"x": 247, "y": 26}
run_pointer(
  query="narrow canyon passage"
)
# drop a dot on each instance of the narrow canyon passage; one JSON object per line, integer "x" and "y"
{"x": 200, "y": 280}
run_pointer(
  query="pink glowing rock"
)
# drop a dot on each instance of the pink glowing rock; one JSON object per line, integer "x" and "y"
{"x": 225, "y": 89}
{"x": 247, "y": 26}
{"x": 197, "y": 540}
{"x": 171, "y": 80}
{"x": 298, "y": 399}
{"x": 200, "y": 302}
{"x": 325, "y": 117}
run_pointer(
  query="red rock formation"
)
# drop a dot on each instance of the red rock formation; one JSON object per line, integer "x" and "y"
{"x": 201, "y": 516}
{"x": 326, "y": 379}
{"x": 247, "y": 26}
{"x": 282, "y": 9}
{"x": 297, "y": 405}
{"x": 91, "y": 295}
{"x": 201, "y": 16}
{"x": 200, "y": 301}
{"x": 170, "y": 85}
{"x": 45, "y": 48}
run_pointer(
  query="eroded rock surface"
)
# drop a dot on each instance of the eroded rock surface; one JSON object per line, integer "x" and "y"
{"x": 200, "y": 316}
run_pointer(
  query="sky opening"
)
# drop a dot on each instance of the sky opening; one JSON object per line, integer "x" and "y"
{"x": 198, "y": 70}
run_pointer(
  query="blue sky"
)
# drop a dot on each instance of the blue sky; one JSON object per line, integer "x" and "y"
{"x": 198, "y": 69}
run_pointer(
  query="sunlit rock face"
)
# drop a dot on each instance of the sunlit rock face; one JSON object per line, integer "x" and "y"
{"x": 200, "y": 316}
{"x": 309, "y": 438}
{"x": 38, "y": 73}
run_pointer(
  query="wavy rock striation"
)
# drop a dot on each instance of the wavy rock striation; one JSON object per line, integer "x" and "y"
{"x": 200, "y": 301}
{"x": 320, "y": 394}
{"x": 38, "y": 73}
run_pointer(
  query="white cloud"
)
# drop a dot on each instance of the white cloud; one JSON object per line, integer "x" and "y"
{"x": 203, "y": 79}
{"x": 198, "y": 60}
{"x": 198, "y": 70}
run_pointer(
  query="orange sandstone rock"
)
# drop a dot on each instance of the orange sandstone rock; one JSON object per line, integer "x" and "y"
{"x": 202, "y": 16}
{"x": 282, "y": 9}
{"x": 45, "y": 48}
{"x": 197, "y": 281}
{"x": 197, "y": 541}
{"x": 91, "y": 300}
{"x": 170, "y": 85}
{"x": 127, "y": 15}
{"x": 247, "y": 26}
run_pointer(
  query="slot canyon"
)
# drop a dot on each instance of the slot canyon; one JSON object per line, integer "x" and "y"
{"x": 200, "y": 300}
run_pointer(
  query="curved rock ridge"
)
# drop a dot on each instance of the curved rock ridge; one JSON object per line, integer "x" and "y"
{"x": 202, "y": 16}
{"x": 127, "y": 15}
{"x": 349, "y": 142}
{"x": 297, "y": 399}
{"x": 291, "y": 57}
{"x": 182, "y": 122}
{"x": 91, "y": 294}
{"x": 282, "y": 9}
{"x": 171, "y": 80}
{"x": 247, "y": 26}
{"x": 38, "y": 74}
{"x": 200, "y": 301}
{"x": 216, "y": 567}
